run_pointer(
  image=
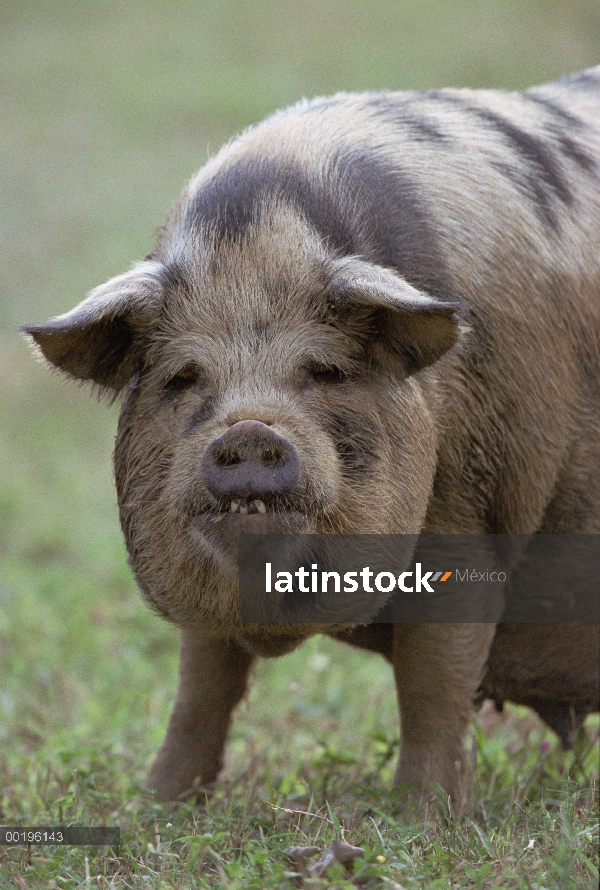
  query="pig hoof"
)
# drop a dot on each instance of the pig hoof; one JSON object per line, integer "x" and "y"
{"x": 198, "y": 789}
{"x": 182, "y": 791}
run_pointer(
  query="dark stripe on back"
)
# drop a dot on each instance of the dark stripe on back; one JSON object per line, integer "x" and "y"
{"x": 418, "y": 126}
{"x": 547, "y": 179}
{"x": 583, "y": 80}
{"x": 576, "y": 153}
{"x": 361, "y": 204}
{"x": 539, "y": 176}
{"x": 557, "y": 112}
{"x": 559, "y": 125}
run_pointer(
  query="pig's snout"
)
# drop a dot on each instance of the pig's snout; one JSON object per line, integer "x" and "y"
{"x": 250, "y": 459}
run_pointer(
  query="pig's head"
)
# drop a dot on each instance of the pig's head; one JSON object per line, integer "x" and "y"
{"x": 270, "y": 385}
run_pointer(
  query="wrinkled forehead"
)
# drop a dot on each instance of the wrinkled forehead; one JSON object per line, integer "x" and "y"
{"x": 265, "y": 289}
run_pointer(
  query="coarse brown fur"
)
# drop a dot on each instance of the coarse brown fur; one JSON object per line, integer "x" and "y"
{"x": 406, "y": 286}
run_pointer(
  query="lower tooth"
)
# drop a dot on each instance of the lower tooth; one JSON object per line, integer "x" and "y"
{"x": 260, "y": 506}
{"x": 243, "y": 508}
{"x": 234, "y": 506}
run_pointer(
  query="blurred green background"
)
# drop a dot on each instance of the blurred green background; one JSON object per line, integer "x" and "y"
{"x": 107, "y": 108}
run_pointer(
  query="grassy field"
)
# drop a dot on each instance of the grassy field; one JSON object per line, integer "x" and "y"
{"x": 106, "y": 109}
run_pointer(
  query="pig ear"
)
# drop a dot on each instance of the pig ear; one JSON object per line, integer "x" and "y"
{"x": 409, "y": 325}
{"x": 100, "y": 339}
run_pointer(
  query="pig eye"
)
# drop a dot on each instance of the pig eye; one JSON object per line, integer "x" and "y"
{"x": 326, "y": 373}
{"x": 188, "y": 376}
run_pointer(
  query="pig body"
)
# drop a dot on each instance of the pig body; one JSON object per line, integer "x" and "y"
{"x": 371, "y": 314}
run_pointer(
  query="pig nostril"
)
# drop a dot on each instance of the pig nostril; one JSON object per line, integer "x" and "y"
{"x": 228, "y": 460}
{"x": 271, "y": 458}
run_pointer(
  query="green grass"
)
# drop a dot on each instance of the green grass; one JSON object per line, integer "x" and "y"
{"x": 300, "y": 771}
{"x": 88, "y": 681}
{"x": 107, "y": 108}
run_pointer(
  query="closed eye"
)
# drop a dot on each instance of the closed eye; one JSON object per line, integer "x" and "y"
{"x": 322, "y": 373}
{"x": 189, "y": 376}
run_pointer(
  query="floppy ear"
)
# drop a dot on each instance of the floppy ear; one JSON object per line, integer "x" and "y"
{"x": 408, "y": 325}
{"x": 100, "y": 339}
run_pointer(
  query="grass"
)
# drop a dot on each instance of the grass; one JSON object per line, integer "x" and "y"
{"x": 88, "y": 681}
{"x": 298, "y": 773}
{"x": 107, "y": 108}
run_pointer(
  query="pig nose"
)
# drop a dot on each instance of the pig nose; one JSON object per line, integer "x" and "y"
{"x": 250, "y": 459}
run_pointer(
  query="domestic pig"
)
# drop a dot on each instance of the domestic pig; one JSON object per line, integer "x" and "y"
{"x": 369, "y": 314}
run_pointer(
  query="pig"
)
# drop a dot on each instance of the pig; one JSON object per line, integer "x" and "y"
{"x": 372, "y": 313}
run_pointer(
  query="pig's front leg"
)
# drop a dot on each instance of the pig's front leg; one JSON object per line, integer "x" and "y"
{"x": 213, "y": 673}
{"x": 438, "y": 668}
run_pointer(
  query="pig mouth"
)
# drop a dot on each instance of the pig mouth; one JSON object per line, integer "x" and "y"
{"x": 245, "y": 506}
{"x": 248, "y": 515}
